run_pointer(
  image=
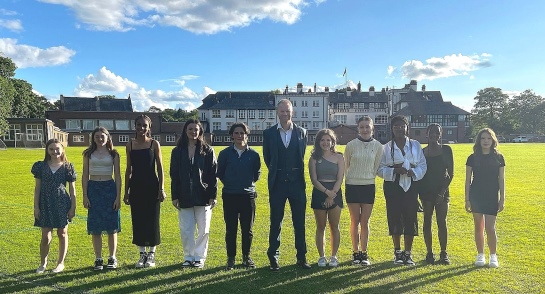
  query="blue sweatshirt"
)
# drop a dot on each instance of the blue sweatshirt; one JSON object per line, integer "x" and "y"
{"x": 239, "y": 174}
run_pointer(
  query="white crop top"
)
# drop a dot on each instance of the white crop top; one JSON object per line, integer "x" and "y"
{"x": 101, "y": 166}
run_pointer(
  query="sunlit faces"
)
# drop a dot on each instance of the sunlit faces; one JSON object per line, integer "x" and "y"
{"x": 55, "y": 150}
{"x": 100, "y": 138}
{"x": 326, "y": 143}
{"x": 400, "y": 129}
{"x": 284, "y": 112}
{"x": 365, "y": 129}
{"x": 486, "y": 140}
{"x": 142, "y": 127}
{"x": 434, "y": 133}
{"x": 192, "y": 131}
{"x": 239, "y": 136}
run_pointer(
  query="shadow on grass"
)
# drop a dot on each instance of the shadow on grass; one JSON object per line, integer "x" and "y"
{"x": 380, "y": 277}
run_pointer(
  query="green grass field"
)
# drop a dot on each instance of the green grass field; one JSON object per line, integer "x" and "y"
{"x": 520, "y": 233}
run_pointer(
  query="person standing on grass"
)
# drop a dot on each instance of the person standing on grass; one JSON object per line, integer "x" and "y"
{"x": 434, "y": 191}
{"x": 284, "y": 147}
{"x": 239, "y": 168}
{"x": 194, "y": 188}
{"x": 54, "y": 206}
{"x": 326, "y": 169}
{"x": 485, "y": 192}
{"x": 362, "y": 157}
{"x": 402, "y": 164}
{"x": 102, "y": 194}
{"x": 144, "y": 190}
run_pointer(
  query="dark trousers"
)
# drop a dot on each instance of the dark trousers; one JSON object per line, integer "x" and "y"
{"x": 292, "y": 192}
{"x": 238, "y": 207}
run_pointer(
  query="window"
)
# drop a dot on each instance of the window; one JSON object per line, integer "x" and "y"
{"x": 80, "y": 139}
{"x": 252, "y": 139}
{"x": 316, "y": 125}
{"x": 73, "y": 124}
{"x": 156, "y": 138}
{"x": 294, "y": 103}
{"x": 260, "y": 139}
{"x": 304, "y": 113}
{"x": 106, "y": 123}
{"x": 123, "y": 125}
{"x": 242, "y": 114}
{"x": 13, "y": 132}
{"x": 261, "y": 114}
{"x": 216, "y": 113}
{"x": 316, "y": 103}
{"x": 271, "y": 113}
{"x": 256, "y": 125}
{"x": 269, "y": 124}
{"x": 217, "y": 139}
{"x": 226, "y": 139}
{"x": 216, "y": 126}
{"x": 359, "y": 105}
{"x": 251, "y": 113}
{"x": 341, "y": 118}
{"x": 381, "y": 119}
{"x": 343, "y": 105}
{"x": 170, "y": 139}
{"x": 122, "y": 138}
{"x": 89, "y": 124}
{"x": 230, "y": 113}
{"x": 229, "y": 124}
{"x": 312, "y": 138}
{"x": 316, "y": 113}
{"x": 357, "y": 117}
{"x": 305, "y": 124}
{"x": 294, "y": 114}
{"x": 304, "y": 103}
{"x": 449, "y": 132}
{"x": 34, "y": 132}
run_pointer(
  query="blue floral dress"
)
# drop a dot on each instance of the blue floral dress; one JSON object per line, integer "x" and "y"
{"x": 54, "y": 198}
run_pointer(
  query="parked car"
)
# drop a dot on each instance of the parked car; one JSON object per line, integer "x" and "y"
{"x": 501, "y": 139}
{"x": 520, "y": 139}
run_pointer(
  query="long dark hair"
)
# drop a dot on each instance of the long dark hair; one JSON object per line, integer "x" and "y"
{"x": 477, "y": 148}
{"x": 396, "y": 119}
{"x": 55, "y": 141}
{"x": 183, "y": 141}
{"x": 317, "y": 152}
{"x": 440, "y": 128}
{"x": 146, "y": 118}
{"x": 109, "y": 145}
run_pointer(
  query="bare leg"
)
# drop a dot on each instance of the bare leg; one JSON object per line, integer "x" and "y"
{"x": 321, "y": 219}
{"x": 408, "y": 241}
{"x": 62, "y": 233}
{"x": 441, "y": 211}
{"x": 426, "y": 228}
{"x": 355, "y": 216}
{"x": 366, "y": 210}
{"x": 490, "y": 227}
{"x": 334, "y": 216}
{"x": 112, "y": 244}
{"x": 44, "y": 245}
{"x": 97, "y": 245}
{"x": 478, "y": 220}
{"x": 396, "y": 239}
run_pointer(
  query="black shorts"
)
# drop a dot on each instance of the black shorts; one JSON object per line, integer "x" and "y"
{"x": 318, "y": 197}
{"x": 401, "y": 209}
{"x": 360, "y": 194}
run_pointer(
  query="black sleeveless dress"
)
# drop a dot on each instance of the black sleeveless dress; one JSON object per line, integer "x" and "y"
{"x": 145, "y": 207}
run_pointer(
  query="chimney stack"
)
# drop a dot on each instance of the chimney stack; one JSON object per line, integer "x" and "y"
{"x": 371, "y": 91}
{"x": 299, "y": 88}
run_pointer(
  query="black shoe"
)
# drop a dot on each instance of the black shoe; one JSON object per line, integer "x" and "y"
{"x": 364, "y": 259}
{"x": 230, "y": 263}
{"x": 356, "y": 258}
{"x": 430, "y": 259}
{"x": 247, "y": 261}
{"x": 274, "y": 265}
{"x": 112, "y": 263}
{"x": 408, "y": 259}
{"x": 303, "y": 264}
{"x": 99, "y": 264}
{"x": 443, "y": 258}
{"x": 398, "y": 257}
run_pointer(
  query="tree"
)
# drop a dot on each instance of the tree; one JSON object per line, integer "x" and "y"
{"x": 489, "y": 110}
{"x": 522, "y": 111}
{"x": 7, "y": 91}
{"x": 154, "y": 109}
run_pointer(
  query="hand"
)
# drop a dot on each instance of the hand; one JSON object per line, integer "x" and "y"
{"x": 126, "y": 199}
{"x": 501, "y": 205}
{"x": 161, "y": 196}
{"x": 331, "y": 194}
{"x": 176, "y": 204}
{"x": 400, "y": 170}
{"x": 117, "y": 204}
{"x": 71, "y": 214}
{"x": 36, "y": 213}
{"x": 468, "y": 206}
{"x": 410, "y": 173}
{"x": 328, "y": 202}
{"x": 86, "y": 203}
{"x": 212, "y": 203}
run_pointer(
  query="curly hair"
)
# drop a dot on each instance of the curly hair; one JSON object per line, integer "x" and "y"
{"x": 317, "y": 152}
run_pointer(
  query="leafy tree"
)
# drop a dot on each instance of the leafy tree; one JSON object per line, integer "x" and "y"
{"x": 7, "y": 67}
{"x": 154, "y": 109}
{"x": 489, "y": 110}
{"x": 522, "y": 110}
{"x": 7, "y": 91}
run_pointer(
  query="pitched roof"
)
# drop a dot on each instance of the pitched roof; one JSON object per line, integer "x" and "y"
{"x": 239, "y": 100}
{"x": 413, "y": 95}
{"x": 431, "y": 108}
{"x": 95, "y": 104}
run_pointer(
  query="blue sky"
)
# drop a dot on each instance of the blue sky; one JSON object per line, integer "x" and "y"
{"x": 173, "y": 53}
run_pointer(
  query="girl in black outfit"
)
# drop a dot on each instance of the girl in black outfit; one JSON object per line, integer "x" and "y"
{"x": 434, "y": 192}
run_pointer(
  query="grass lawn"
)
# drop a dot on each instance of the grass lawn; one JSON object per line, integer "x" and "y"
{"x": 520, "y": 233}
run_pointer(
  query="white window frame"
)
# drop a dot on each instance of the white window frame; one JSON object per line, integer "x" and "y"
{"x": 216, "y": 113}
{"x": 341, "y": 118}
{"x": 34, "y": 132}
{"x": 73, "y": 124}
{"x": 316, "y": 113}
{"x": 381, "y": 119}
{"x": 106, "y": 123}
{"x": 230, "y": 113}
{"x": 242, "y": 113}
{"x": 14, "y": 131}
{"x": 170, "y": 138}
{"x": 256, "y": 126}
{"x": 123, "y": 138}
{"x": 120, "y": 124}
{"x": 261, "y": 114}
{"x": 227, "y": 139}
{"x": 316, "y": 103}
{"x": 304, "y": 114}
{"x": 251, "y": 113}
{"x": 271, "y": 114}
{"x": 316, "y": 125}
{"x": 217, "y": 139}
{"x": 216, "y": 125}
{"x": 78, "y": 138}
{"x": 304, "y": 103}
{"x": 85, "y": 124}
{"x": 156, "y": 138}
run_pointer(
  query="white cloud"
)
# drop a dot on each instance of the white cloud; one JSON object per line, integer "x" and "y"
{"x": 201, "y": 17}
{"x": 11, "y": 24}
{"x": 107, "y": 82}
{"x": 29, "y": 56}
{"x": 512, "y": 93}
{"x": 443, "y": 67}
{"x": 390, "y": 70}
{"x": 7, "y": 12}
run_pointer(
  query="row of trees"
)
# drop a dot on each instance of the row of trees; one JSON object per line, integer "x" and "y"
{"x": 176, "y": 114}
{"x": 520, "y": 114}
{"x": 16, "y": 96}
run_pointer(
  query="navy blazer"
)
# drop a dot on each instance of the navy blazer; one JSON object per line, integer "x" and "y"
{"x": 270, "y": 153}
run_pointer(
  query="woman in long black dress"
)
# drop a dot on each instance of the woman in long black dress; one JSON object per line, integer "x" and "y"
{"x": 434, "y": 192}
{"x": 485, "y": 192}
{"x": 144, "y": 191}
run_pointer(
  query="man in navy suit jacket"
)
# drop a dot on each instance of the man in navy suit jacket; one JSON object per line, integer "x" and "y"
{"x": 284, "y": 148}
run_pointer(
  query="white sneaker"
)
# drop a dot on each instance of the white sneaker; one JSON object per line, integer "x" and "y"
{"x": 480, "y": 260}
{"x": 150, "y": 260}
{"x": 322, "y": 261}
{"x": 41, "y": 269}
{"x": 493, "y": 261}
{"x": 333, "y": 261}
{"x": 142, "y": 260}
{"x": 58, "y": 269}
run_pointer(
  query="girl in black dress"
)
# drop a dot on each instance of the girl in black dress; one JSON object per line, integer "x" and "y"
{"x": 434, "y": 192}
{"x": 485, "y": 192}
{"x": 144, "y": 190}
